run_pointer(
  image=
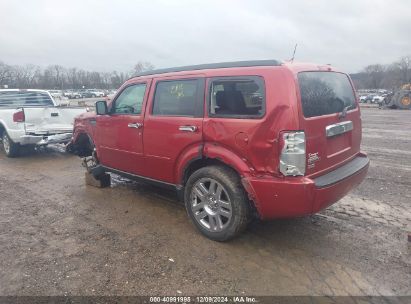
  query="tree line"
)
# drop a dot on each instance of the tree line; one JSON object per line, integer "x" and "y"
{"x": 31, "y": 76}
{"x": 375, "y": 76}
{"x": 379, "y": 76}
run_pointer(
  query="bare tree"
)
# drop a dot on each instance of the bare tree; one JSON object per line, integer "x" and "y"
{"x": 59, "y": 77}
{"x": 375, "y": 75}
{"x": 5, "y": 74}
{"x": 403, "y": 69}
{"x": 58, "y": 73}
{"x": 72, "y": 78}
{"x": 18, "y": 76}
{"x": 28, "y": 76}
{"x": 142, "y": 66}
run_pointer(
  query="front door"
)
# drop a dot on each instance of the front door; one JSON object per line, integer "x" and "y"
{"x": 173, "y": 124}
{"x": 120, "y": 133}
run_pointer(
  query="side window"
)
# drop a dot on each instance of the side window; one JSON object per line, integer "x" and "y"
{"x": 178, "y": 98}
{"x": 130, "y": 100}
{"x": 237, "y": 97}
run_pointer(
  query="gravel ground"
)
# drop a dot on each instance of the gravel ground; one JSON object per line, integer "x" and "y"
{"x": 61, "y": 237}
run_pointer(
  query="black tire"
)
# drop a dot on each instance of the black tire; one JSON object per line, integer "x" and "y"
{"x": 240, "y": 207}
{"x": 93, "y": 162}
{"x": 10, "y": 148}
{"x": 69, "y": 148}
{"x": 402, "y": 96}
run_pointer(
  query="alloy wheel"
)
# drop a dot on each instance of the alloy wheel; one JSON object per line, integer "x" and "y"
{"x": 211, "y": 204}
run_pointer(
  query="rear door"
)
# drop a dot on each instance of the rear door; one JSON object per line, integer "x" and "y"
{"x": 173, "y": 124}
{"x": 330, "y": 118}
{"x": 119, "y": 134}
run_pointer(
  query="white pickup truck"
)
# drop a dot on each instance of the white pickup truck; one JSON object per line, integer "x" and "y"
{"x": 32, "y": 117}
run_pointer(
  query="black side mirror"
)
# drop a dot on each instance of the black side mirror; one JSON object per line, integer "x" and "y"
{"x": 101, "y": 107}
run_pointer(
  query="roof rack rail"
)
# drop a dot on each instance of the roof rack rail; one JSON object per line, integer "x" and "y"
{"x": 221, "y": 65}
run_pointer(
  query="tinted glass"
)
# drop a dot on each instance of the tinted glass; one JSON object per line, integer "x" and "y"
{"x": 21, "y": 98}
{"x": 237, "y": 97}
{"x": 325, "y": 93}
{"x": 130, "y": 100}
{"x": 176, "y": 98}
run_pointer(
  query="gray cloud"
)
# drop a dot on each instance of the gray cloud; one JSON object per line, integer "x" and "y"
{"x": 105, "y": 35}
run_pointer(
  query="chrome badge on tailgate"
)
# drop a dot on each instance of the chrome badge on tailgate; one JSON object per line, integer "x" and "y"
{"x": 338, "y": 128}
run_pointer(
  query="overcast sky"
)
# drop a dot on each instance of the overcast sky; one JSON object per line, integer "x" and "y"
{"x": 106, "y": 35}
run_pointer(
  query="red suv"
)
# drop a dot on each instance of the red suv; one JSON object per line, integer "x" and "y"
{"x": 234, "y": 139}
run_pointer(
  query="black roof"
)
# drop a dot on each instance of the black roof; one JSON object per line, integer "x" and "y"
{"x": 234, "y": 64}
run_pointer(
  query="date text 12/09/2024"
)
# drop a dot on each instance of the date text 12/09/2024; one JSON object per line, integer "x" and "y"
{"x": 204, "y": 299}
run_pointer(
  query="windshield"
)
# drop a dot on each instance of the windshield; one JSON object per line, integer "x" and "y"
{"x": 24, "y": 98}
{"x": 325, "y": 93}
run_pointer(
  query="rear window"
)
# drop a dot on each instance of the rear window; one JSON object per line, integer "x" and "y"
{"x": 21, "y": 98}
{"x": 325, "y": 93}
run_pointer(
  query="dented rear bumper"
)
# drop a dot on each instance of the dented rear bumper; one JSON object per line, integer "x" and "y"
{"x": 300, "y": 196}
{"x": 45, "y": 139}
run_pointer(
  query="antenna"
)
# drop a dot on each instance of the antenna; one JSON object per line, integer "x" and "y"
{"x": 295, "y": 48}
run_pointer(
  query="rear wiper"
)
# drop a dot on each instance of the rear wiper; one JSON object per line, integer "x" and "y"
{"x": 343, "y": 113}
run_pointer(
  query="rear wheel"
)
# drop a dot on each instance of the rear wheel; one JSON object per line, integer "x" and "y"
{"x": 217, "y": 203}
{"x": 10, "y": 148}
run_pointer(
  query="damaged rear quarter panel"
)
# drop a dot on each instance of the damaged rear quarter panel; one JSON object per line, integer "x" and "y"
{"x": 250, "y": 145}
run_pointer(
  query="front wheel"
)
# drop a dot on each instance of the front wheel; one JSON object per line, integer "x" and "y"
{"x": 217, "y": 203}
{"x": 10, "y": 148}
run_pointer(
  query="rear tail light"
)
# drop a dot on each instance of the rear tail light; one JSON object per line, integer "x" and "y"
{"x": 19, "y": 116}
{"x": 292, "y": 156}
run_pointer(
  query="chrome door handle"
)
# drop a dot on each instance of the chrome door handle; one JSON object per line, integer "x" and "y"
{"x": 136, "y": 125}
{"x": 188, "y": 128}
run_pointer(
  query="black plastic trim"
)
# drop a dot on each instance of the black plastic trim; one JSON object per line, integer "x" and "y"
{"x": 102, "y": 169}
{"x": 220, "y": 65}
{"x": 343, "y": 172}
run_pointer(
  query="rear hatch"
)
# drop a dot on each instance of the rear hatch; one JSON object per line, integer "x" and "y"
{"x": 330, "y": 118}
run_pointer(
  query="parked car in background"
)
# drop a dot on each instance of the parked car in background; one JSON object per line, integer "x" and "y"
{"x": 89, "y": 93}
{"x": 59, "y": 97}
{"x": 56, "y": 93}
{"x": 96, "y": 93}
{"x": 378, "y": 99}
{"x": 62, "y": 101}
{"x": 33, "y": 118}
{"x": 370, "y": 98}
{"x": 72, "y": 94}
{"x": 85, "y": 94}
{"x": 233, "y": 139}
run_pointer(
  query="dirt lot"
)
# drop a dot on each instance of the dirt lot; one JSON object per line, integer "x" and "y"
{"x": 60, "y": 237}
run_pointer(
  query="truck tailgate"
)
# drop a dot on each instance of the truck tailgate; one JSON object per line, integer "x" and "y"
{"x": 50, "y": 120}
